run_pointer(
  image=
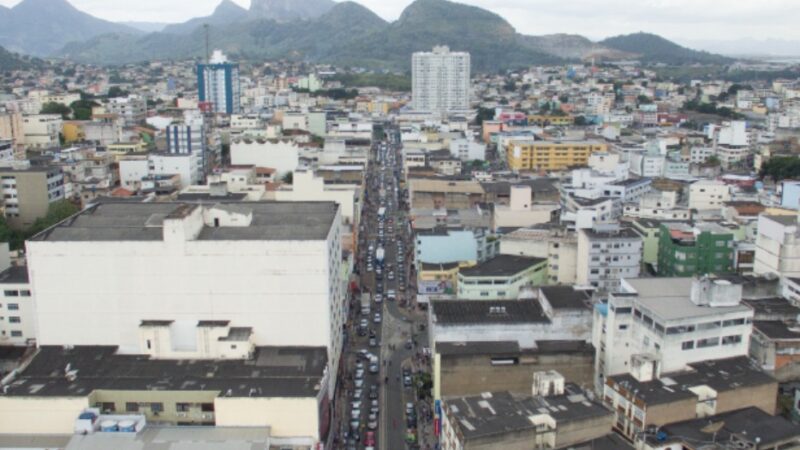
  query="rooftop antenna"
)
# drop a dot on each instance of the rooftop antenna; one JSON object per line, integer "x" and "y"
{"x": 208, "y": 51}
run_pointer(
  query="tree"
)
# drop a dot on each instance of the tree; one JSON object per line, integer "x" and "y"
{"x": 57, "y": 212}
{"x": 510, "y": 86}
{"x": 116, "y": 91}
{"x": 581, "y": 121}
{"x": 288, "y": 178}
{"x": 82, "y": 109}
{"x": 780, "y": 168}
{"x": 484, "y": 114}
{"x": 644, "y": 100}
{"x": 56, "y": 108}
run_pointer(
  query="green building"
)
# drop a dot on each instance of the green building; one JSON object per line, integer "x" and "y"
{"x": 501, "y": 277}
{"x": 686, "y": 250}
{"x": 649, "y": 230}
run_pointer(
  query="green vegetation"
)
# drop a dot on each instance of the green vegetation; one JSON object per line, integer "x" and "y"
{"x": 56, "y": 213}
{"x": 389, "y": 81}
{"x": 82, "y": 109}
{"x": 116, "y": 91}
{"x": 12, "y": 61}
{"x": 711, "y": 108}
{"x": 781, "y": 168}
{"x": 56, "y": 108}
{"x": 288, "y": 178}
{"x": 655, "y": 49}
{"x": 484, "y": 114}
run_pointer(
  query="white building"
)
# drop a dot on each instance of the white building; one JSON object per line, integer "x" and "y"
{"x": 308, "y": 187}
{"x": 16, "y": 305}
{"x": 558, "y": 245}
{"x": 440, "y": 80}
{"x": 521, "y": 212}
{"x": 281, "y": 155}
{"x": 189, "y": 137}
{"x": 777, "y": 246}
{"x": 467, "y": 150}
{"x": 658, "y": 205}
{"x": 607, "y": 256}
{"x": 672, "y": 321}
{"x": 185, "y": 166}
{"x": 708, "y": 194}
{"x": 41, "y": 130}
{"x": 114, "y": 271}
{"x": 132, "y": 109}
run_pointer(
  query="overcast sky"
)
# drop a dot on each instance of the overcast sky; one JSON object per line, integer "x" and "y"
{"x": 682, "y": 20}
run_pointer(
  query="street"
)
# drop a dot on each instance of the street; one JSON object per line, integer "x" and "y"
{"x": 385, "y": 328}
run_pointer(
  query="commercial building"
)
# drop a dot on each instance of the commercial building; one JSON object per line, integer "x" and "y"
{"x": 189, "y": 138}
{"x": 555, "y": 417}
{"x": 646, "y": 398}
{"x": 440, "y": 80}
{"x": 555, "y": 243}
{"x": 16, "y": 306}
{"x": 551, "y": 155}
{"x": 467, "y": 150}
{"x": 686, "y": 250}
{"x": 156, "y": 273}
{"x": 501, "y": 277}
{"x": 281, "y": 155}
{"x": 28, "y": 193}
{"x": 670, "y": 323}
{"x": 281, "y": 390}
{"x": 605, "y": 256}
{"x": 218, "y": 84}
{"x": 454, "y": 245}
{"x": 131, "y": 109}
{"x": 777, "y": 246}
{"x": 521, "y": 212}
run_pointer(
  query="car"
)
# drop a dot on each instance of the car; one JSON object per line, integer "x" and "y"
{"x": 356, "y": 404}
{"x": 374, "y": 409}
{"x": 355, "y": 424}
{"x": 372, "y": 333}
{"x": 357, "y": 393}
{"x": 391, "y": 293}
{"x": 407, "y": 381}
{"x": 378, "y": 298}
{"x": 359, "y": 365}
{"x": 373, "y": 368}
{"x": 390, "y": 276}
{"x": 372, "y": 425}
{"x": 355, "y": 414}
{"x": 370, "y": 268}
{"x": 359, "y": 374}
{"x": 364, "y": 323}
{"x": 373, "y": 395}
{"x": 359, "y": 383}
{"x": 377, "y": 318}
{"x": 369, "y": 441}
{"x": 409, "y": 409}
{"x": 373, "y": 342}
{"x": 362, "y": 331}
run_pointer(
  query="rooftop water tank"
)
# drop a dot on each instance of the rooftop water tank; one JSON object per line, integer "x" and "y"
{"x": 108, "y": 426}
{"x": 127, "y": 426}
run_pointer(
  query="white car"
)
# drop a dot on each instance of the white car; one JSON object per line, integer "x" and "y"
{"x": 378, "y": 298}
{"x": 377, "y": 318}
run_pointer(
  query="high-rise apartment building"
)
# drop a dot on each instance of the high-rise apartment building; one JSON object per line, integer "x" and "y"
{"x": 218, "y": 84}
{"x": 189, "y": 138}
{"x": 551, "y": 155}
{"x": 28, "y": 192}
{"x": 440, "y": 80}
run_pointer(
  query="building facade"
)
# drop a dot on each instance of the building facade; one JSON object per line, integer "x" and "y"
{"x": 607, "y": 256}
{"x": 440, "y": 80}
{"x": 550, "y": 155}
{"x": 685, "y": 250}
{"x": 218, "y": 84}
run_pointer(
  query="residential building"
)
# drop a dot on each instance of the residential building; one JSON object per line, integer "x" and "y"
{"x": 777, "y": 246}
{"x": 189, "y": 138}
{"x": 16, "y": 306}
{"x": 467, "y": 150}
{"x": 449, "y": 245}
{"x": 440, "y": 80}
{"x": 131, "y": 109}
{"x": 650, "y": 399}
{"x": 281, "y": 155}
{"x": 520, "y": 212}
{"x": 558, "y": 245}
{"x": 28, "y": 192}
{"x": 657, "y": 205}
{"x": 670, "y": 322}
{"x": 179, "y": 266}
{"x": 605, "y": 256}
{"x": 41, "y": 131}
{"x": 708, "y": 194}
{"x": 218, "y": 85}
{"x": 501, "y": 277}
{"x": 551, "y": 155}
{"x": 775, "y": 345}
{"x": 686, "y": 250}
{"x": 183, "y": 165}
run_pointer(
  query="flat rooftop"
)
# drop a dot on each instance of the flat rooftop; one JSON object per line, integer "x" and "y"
{"x": 749, "y": 422}
{"x": 502, "y": 266}
{"x": 498, "y": 413}
{"x": 273, "y": 371}
{"x": 567, "y": 297}
{"x": 510, "y": 348}
{"x": 122, "y": 221}
{"x": 465, "y": 312}
{"x": 669, "y": 299}
{"x": 177, "y": 438}
{"x": 14, "y": 275}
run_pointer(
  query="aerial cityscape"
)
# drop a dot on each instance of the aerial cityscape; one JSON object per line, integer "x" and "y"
{"x": 413, "y": 225}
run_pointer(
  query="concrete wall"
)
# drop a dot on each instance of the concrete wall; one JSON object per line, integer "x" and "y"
{"x": 764, "y": 397}
{"x": 286, "y": 417}
{"x": 583, "y": 430}
{"x": 472, "y": 375}
{"x": 40, "y": 415}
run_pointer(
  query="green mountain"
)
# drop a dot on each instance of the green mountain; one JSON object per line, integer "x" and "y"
{"x": 651, "y": 48}
{"x": 12, "y": 61}
{"x": 289, "y": 10}
{"x": 42, "y": 27}
{"x": 225, "y": 13}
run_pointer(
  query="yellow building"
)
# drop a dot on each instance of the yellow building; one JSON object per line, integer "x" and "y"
{"x": 551, "y": 155}
{"x": 440, "y": 278}
{"x": 73, "y": 131}
{"x": 543, "y": 120}
{"x": 121, "y": 149}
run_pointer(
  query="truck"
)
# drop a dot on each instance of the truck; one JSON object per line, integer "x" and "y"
{"x": 365, "y": 303}
{"x": 379, "y": 255}
{"x": 382, "y": 212}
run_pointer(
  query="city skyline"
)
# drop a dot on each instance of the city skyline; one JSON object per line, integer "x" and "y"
{"x": 685, "y": 21}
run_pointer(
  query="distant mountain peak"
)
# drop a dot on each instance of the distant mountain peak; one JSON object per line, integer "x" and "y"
{"x": 650, "y": 47}
{"x": 288, "y": 10}
{"x": 227, "y": 6}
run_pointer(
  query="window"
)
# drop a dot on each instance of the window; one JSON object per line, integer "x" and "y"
{"x": 708, "y": 326}
{"x": 13, "y": 307}
{"x": 687, "y": 345}
{"x": 15, "y": 333}
{"x": 626, "y": 310}
{"x": 13, "y": 319}
{"x": 131, "y": 407}
{"x": 182, "y": 407}
{"x": 107, "y": 406}
{"x": 157, "y": 407}
{"x": 11, "y": 293}
{"x": 25, "y": 293}
{"x": 623, "y": 327}
{"x": 725, "y": 323}
{"x": 709, "y": 342}
{"x": 731, "y": 340}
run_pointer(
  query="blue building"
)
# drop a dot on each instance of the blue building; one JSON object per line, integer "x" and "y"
{"x": 218, "y": 84}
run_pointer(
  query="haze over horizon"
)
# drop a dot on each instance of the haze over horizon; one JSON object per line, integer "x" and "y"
{"x": 691, "y": 22}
